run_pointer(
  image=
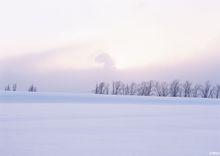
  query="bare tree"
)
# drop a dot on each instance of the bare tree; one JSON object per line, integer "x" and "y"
{"x": 196, "y": 90}
{"x": 113, "y": 88}
{"x": 218, "y": 91}
{"x": 162, "y": 89}
{"x": 141, "y": 89}
{"x": 158, "y": 89}
{"x": 106, "y": 90}
{"x": 206, "y": 90}
{"x": 146, "y": 88}
{"x": 212, "y": 92}
{"x": 149, "y": 88}
{"x": 127, "y": 90}
{"x": 116, "y": 87}
{"x": 187, "y": 89}
{"x": 165, "y": 89}
{"x": 133, "y": 88}
{"x": 96, "y": 91}
{"x": 14, "y": 87}
{"x": 122, "y": 89}
{"x": 102, "y": 88}
{"x": 175, "y": 88}
{"x": 130, "y": 89}
{"x": 32, "y": 88}
{"x": 7, "y": 88}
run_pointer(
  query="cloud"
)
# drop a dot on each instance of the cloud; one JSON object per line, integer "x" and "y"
{"x": 22, "y": 70}
{"x": 105, "y": 58}
{"x": 52, "y": 59}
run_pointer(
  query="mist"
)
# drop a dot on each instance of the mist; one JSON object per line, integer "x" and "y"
{"x": 27, "y": 69}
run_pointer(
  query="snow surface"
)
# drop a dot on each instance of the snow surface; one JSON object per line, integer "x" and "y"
{"x": 60, "y": 124}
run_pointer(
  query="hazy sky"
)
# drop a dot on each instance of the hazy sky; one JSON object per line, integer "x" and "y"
{"x": 60, "y": 44}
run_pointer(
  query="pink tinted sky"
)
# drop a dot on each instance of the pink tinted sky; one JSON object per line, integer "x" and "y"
{"x": 50, "y": 42}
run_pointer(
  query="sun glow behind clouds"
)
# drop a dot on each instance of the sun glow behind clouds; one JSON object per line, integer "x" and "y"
{"x": 138, "y": 34}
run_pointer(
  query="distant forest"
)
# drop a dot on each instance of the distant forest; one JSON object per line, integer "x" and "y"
{"x": 175, "y": 88}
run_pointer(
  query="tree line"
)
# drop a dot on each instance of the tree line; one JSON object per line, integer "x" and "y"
{"x": 13, "y": 87}
{"x": 175, "y": 88}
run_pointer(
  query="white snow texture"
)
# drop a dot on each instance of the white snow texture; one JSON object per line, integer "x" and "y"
{"x": 60, "y": 124}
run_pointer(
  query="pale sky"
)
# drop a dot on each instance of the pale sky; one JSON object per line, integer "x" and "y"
{"x": 44, "y": 37}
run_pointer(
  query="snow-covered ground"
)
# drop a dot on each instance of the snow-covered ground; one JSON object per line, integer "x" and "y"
{"x": 59, "y": 124}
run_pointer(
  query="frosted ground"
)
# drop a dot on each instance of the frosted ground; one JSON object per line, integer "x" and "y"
{"x": 49, "y": 124}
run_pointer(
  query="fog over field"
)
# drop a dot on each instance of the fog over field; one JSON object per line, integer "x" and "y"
{"x": 26, "y": 70}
